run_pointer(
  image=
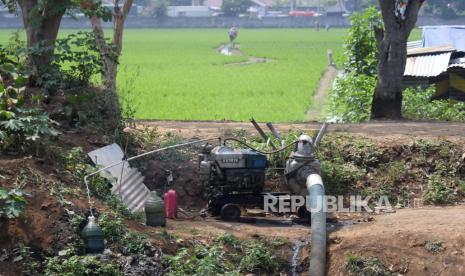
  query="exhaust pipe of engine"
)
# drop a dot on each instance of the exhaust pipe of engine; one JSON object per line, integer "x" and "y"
{"x": 316, "y": 191}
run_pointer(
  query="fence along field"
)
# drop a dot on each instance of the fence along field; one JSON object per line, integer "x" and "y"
{"x": 177, "y": 74}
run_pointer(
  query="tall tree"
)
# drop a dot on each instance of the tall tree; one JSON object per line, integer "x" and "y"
{"x": 111, "y": 52}
{"x": 41, "y": 20}
{"x": 399, "y": 17}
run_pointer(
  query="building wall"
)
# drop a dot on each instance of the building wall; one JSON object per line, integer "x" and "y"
{"x": 222, "y": 22}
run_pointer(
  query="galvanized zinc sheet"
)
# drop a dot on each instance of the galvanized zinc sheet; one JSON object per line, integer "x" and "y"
{"x": 430, "y": 50}
{"x": 129, "y": 183}
{"x": 457, "y": 65}
{"x": 427, "y": 65}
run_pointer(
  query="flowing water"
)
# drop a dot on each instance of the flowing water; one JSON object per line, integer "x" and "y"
{"x": 295, "y": 259}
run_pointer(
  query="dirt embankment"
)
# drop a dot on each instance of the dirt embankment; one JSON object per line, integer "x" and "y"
{"x": 400, "y": 240}
{"x": 395, "y": 131}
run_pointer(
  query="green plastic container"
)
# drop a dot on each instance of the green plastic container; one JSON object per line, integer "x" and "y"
{"x": 155, "y": 210}
{"x": 93, "y": 237}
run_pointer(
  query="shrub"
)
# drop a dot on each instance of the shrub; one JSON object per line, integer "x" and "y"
{"x": 75, "y": 60}
{"x": 12, "y": 203}
{"x": 434, "y": 246}
{"x": 78, "y": 58}
{"x": 339, "y": 176}
{"x": 350, "y": 98}
{"x": 222, "y": 258}
{"x": 76, "y": 164}
{"x": 439, "y": 190}
{"x": 21, "y": 129}
{"x": 198, "y": 261}
{"x": 360, "y": 49}
{"x": 23, "y": 254}
{"x": 418, "y": 105}
{"x": 81, "y": 266}
{"x": 112, "y": 226}
{"x": 257, "y": 256}
{"x": 228, "y": 239}
{"x": 134, "y": 242}
{"x": 366, "y": 266}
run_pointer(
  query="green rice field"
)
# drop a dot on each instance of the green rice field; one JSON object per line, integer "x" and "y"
{"x": 178, "y": 74}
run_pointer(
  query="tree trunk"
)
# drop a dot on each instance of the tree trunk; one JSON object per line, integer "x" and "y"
{"x": 387, "y": 101}
{"x": 109, "y": 59}
{"x": 392, "y": 48}
{"x": 41, "y": 27}
{"x": 110, "y": 56}
{"x": 109, "y": 64}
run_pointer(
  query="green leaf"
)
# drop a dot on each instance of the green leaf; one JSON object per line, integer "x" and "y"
{"x": 6, "y": 114}
{"x": 12, "y": 124}
{"x": 8, "y": 67}
{"x": 3, "y": 135}
{"x": 12, "y": 211}
{"x": 21, "y": 80}
{"x": 3, "y": 194}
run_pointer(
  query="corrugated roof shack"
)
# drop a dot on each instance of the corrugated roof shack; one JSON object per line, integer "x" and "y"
{"x": 442, "y": 66}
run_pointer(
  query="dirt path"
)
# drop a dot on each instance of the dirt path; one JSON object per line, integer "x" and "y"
{"x": 236, "y": 51}
{"x": 399, "y": 241}
{"x": 389, "y": 131}
{"x": 316, "y": 112}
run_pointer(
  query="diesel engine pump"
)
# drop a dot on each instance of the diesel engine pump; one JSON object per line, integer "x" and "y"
{"x": 235, "y": 178}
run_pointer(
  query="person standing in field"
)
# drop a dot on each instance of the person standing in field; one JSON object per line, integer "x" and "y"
{"x": 232, "y": 34}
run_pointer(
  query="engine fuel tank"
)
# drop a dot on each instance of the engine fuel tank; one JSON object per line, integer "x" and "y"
{"x": 229, "y": 158}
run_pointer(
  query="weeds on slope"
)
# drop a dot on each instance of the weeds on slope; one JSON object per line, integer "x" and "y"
{"x": 226, "y": 255}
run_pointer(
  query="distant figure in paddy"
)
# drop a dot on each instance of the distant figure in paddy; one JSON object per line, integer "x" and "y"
{"x": 232, "y": 34}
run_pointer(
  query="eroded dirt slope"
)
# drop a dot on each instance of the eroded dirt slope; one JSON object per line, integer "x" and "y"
{"x": 400, "y": 241}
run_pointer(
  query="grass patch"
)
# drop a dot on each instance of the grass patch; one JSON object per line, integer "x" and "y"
{"x": 434, "y": 247}
{"x": 181, "y": 75}
{"x": 366, "y": 266}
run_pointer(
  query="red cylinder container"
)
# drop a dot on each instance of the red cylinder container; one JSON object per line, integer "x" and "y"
{"x": 171, "y": 204}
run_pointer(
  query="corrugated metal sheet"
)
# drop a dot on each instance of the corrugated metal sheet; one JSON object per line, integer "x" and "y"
{"x": 458, "y": 62}
{"x": 457, "y": 65}
{"x": 131, "y": 188}
{"x": 427, "y": 65}
{"x": 430, "y": 50}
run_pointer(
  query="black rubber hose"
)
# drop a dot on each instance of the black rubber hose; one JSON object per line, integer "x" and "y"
{"x": 259, "y": 151}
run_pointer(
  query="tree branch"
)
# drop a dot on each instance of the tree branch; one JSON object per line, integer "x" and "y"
{"x": 379, "y": 35}
{"x": 413, "y": 8}
{"x": 387, "y": 11}
{"x": 126, "y": 8}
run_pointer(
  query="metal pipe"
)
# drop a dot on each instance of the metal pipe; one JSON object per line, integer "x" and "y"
{"x": 276, "y": 134}
{"x": 316, "y": 191}
{"x": 262, "y": 133}
{"x": 86, "y": 181}
{"x": 320, "y": 135}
